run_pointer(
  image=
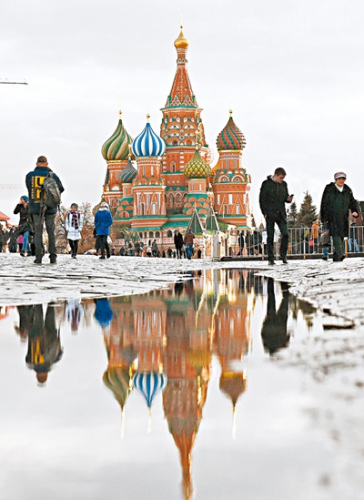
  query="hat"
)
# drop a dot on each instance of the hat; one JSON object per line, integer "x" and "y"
{"x": 104, "y": 205}
{"x": 339, "y": 175}
{"x": 25, "y": 198}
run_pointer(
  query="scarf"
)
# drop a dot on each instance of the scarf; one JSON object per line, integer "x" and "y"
{"x": 75, "y": 219}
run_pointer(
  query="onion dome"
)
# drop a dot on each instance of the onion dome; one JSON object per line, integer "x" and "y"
{"x": 230, "y": 137}
{"x": 149, "y": 384}
{"x": 197, "y": 167}
{"x": 117, "y": 147}
{"x": 181, "y": 42}
{"x": 128, "y": 174}
{"x": 148, "y": 143}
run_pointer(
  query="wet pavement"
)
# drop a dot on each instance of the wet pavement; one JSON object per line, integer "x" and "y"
{"x": 223, "y": 385}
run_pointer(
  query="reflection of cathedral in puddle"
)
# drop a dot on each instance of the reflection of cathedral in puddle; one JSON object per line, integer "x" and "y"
{"x": 168, "y": 337}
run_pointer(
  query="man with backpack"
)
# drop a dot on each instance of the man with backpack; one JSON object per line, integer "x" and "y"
{"x": 44, "y": 188}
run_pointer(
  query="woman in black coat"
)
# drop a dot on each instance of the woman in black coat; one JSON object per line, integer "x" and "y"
{"x": 337, "y": 200}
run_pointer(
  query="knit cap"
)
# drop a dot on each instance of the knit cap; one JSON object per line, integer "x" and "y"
{"x": 339, "y": 174}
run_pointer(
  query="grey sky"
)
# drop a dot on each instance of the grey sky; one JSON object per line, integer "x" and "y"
{"x": 291, "y": 71}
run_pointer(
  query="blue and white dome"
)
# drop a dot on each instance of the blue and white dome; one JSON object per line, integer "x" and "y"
{"x": 148, "y": 143}
{"x": 149, "y": 384}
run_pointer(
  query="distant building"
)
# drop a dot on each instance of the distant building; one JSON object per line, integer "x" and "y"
{"x": 154, "y": 184}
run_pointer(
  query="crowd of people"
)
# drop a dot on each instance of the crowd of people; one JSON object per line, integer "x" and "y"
{"x": 39, "y": 209}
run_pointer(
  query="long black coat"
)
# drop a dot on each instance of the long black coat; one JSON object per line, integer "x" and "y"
{"x": 335, "y": 206}
{"x": 272, "y": 199}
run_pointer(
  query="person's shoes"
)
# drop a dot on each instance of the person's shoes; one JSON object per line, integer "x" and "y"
{"x": 271, "y": 262}
{"x": 73, "y": 256}
{"x": 38, "y": 260}
{"x": 22, "y": 254}
{"x": 284, "y": 260}
{"x": 342, "y": 257}
{"x": 325, "y": 257}
{"x": 102, "y": 257}
{"x": 108, "y": 256}
{"x": 53, "y": 259}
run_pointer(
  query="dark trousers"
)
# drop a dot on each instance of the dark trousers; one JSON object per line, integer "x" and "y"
{"x": 179, "y": 252}
{"x": 38, "y": 234}
{"x": 339, "y": 248}
{"x": 74, "y": 246}
{"x": 282, "y": 224}
{"x": 103, "y": 244}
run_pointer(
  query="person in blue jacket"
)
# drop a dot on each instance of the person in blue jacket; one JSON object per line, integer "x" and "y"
{"x": 103, "y": 221}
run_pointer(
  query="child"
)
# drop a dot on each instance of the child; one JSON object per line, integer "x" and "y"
{"x": 74, "y": 225}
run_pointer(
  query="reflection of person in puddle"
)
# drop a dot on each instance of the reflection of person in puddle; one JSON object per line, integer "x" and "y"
{"x": 44, "y": 343}
{"x": 274, "y": 329}
{"x": 26, "y": 314}
{"x": 103, "y": 312}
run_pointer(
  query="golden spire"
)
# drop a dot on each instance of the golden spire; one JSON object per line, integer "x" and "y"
{"x": 120, "y": 113}
{"x": 148, "y": 116}
{"x": 230, "y": 112}
{"x": 181, "y": 42}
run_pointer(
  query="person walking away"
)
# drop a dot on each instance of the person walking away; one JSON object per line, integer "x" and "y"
{"x": 178, "y": 243}
{"x": 155, "y": 250}
{"x": 22, "y": 208}
{"x": 272, "y": 198}
{"x": 13, "y": 243}
{"x": 41, "y": 212}
{"x": 337, "y": 200}
{"x": 241, "y": 243}
{"x": 74, "y": 224}
{"x": 188, "y": 241}
{"x": 315, "y": 233}
{"x": 103, "y": 222}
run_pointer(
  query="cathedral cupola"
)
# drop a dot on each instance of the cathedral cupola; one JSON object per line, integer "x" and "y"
{"x": 181, "y": 42}
{"x": 197, "y": 167}
{"x": 231, "y": 137}
{"x": 148, "y": 143}
{"x": 128, "y": 174}
{"x": 116, "y": 148}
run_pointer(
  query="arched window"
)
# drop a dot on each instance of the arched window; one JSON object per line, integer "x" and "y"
{"x": 151, "y": 234}
{"x": 169, "y": 234}
{"x": 170, "y": 201}
{"x": 141, "y": 235}
{"x": 157, "y": 234}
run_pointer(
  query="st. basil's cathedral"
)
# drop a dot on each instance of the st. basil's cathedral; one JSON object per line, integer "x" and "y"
{"x": 173, "y": 181}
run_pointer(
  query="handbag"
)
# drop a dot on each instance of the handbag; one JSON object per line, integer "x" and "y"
{"x": 311, "y": 242}
{"x": 325, "y": 238}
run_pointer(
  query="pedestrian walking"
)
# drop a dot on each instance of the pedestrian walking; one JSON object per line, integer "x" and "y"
{"x": 188, "y": 241}
{"x": 272, "y": 198}
{"x": 41, "y": 212}
{"x": 73, "y": 225}
{"x": 241, "y": 243}
{"x": 22, "y": 208}
{"x": 337, "y": 200}
{"x": 178, "y": 243}
{"x": 103, "y": 222}
{"x": 155, "y": 249}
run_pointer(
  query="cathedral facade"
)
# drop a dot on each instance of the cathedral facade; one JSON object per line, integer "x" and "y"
{"x": 157, "y": 183}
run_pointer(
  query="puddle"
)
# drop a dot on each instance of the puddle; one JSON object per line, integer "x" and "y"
{"x": 165, "y": 395}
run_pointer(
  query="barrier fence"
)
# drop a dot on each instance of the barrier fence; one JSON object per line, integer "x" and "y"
{"x": 301, "y": 244}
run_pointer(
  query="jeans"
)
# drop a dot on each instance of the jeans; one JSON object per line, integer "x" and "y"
{"x": 189, "y": 251}
{"x": 282, "y": 224}
{"x": 49, "y": 220}
{"x": 25, "y": 247}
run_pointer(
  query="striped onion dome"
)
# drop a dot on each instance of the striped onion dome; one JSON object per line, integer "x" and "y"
{"x": 230, "y": 137}
{"x": 117, "y": 147}
{"x": 128, "y": 174}
{"x": 148, "y": 143}
{"x": 197, "y": 167}
{"x": 149, "y": 384}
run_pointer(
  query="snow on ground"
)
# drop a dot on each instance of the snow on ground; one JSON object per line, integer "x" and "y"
{"x": 330, "y": 361}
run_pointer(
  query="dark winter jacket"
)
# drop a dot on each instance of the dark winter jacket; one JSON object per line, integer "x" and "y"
{"x": 103, "y": 221}
{"x": 34, "y": 181}
{"x": 272, "y": 198}
{"x": 103, "y": 312}
{"x": 335, "y": 206}
{"x": 23, "y": 211}
{"x": 178, "y": 240}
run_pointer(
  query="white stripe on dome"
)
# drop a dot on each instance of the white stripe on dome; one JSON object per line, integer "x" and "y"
{"x": 148, "y": 143}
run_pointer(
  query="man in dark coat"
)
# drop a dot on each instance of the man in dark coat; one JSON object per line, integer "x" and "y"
{"x": 337, "y": 200}
{"x": 34, "y": 181}
{"x": 178, "y": 243}
{"x": 272, "y": 198}
{"x": 274, "y": 329}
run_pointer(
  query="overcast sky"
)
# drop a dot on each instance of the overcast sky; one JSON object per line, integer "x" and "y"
{"x": 291, "y": 71}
